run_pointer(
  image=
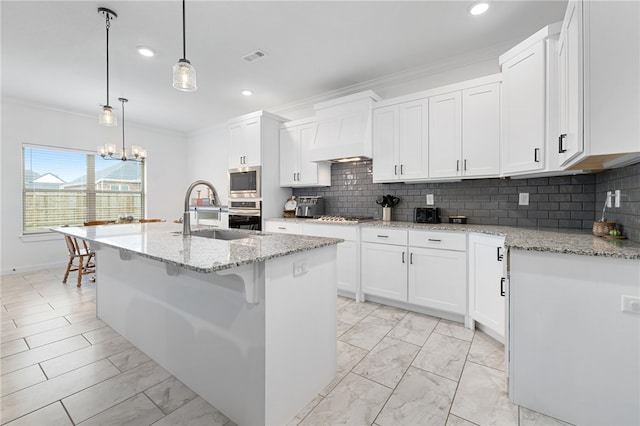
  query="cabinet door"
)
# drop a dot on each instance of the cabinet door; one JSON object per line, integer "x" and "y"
{"x": 445, "y": 138}
{"x": 283, "y": 227}
{"x": 486, "y": 303}
{"x": 307, "y": 170}
{"x": 245, "y": 149}
{"x": 481, "y": 131}
{"x": 289, "y": 153}
{"x": 348, "y": 266}
{"x": 237, "y": 146}
{"x": 253, "y": 143}
{"x": 385, "y": 144}
{"x": 570, "y": 139}
{"x": 438, "y": 279}
{"x": 523, "y": 111}
{"x": 413, "y": 148}
{"x": 384, "y": 270}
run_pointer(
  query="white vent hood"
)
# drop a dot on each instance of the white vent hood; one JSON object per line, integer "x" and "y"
{"x": 344, "y": 128}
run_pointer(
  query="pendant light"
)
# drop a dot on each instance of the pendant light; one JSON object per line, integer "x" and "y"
{"x": 107, "y": 116}
{"x": 184, "y": 74}
{"x": 108, "y": 151}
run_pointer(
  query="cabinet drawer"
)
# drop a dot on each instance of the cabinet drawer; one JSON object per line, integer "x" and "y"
{"x": 384, "y": 235}
{"x": 283, "y": 227}
{"x": 438, "y": 240}
{"x": 346, "y": 232}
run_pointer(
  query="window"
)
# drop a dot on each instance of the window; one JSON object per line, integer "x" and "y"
{"x": 63, "y": 187}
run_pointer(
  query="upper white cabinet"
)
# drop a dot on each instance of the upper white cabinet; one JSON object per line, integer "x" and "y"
{"x": 245, "y": 149}
{"x": 343, "y": 127}
{"x": 599, "y": 85}
{"x": 481, "y": 131}
{"x": 445, "y": 134}
{"x": 249, "y": 135}
{"x": 487, "y": 284}
{"x": 529, "y": 103}
{"x": 400, "y": 141}
{"x": 296, "y": 169}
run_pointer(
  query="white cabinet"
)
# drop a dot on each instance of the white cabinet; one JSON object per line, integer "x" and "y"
{"x": 246, "y": 143}
{"x": 529, "y": 103}
{"x": 384, "y": 270}
{"x": 400, "y": 142}
{"x": 445, "y": 134}
{"x": 296, "y": 169}
{"x": 481, "y": 131}
{"x": 599, "y": 85}
{"x": 487, "y": 283}
{"x": 283, "y": 227}
{"x": 348, "y": 260}
{"x": 437, "y": 275}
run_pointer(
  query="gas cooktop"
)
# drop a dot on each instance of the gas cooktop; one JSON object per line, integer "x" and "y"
{"x": 350, "y": 219}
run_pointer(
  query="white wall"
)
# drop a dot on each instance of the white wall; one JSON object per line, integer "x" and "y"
{"x": 208, "y": 153}
{"x": 34, "y": 124}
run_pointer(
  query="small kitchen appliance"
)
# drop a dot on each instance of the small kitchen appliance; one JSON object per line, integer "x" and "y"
{"x": 245, "y": 182}
{"x": 310, "y": 207}
{"x": 426, "y": 215}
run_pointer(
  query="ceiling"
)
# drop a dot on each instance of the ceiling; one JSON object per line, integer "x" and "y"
{"x": 53, "y": 52}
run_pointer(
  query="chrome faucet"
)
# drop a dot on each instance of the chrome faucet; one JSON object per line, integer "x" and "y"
{"x": 186, "y": 219}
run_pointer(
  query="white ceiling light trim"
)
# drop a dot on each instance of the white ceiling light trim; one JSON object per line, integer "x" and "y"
{"x": 146, "y": 51}
{"x": 479, "y": 8}
{"x": 247, "y": 92}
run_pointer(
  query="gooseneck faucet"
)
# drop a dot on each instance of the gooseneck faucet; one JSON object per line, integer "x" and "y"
{"x": 186, "y": 219}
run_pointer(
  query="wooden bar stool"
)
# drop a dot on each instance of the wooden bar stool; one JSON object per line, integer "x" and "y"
{"x": 151, "y": 220}
{"x": 98, "y": 222}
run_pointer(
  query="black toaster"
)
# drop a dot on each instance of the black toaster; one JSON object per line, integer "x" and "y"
{"x": 426, "y": 215}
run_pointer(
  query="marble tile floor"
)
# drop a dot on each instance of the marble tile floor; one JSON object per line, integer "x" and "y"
{"x": 60, "y": 365}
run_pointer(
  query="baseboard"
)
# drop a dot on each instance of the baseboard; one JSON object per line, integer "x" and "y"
{"x": 31, "y": 268}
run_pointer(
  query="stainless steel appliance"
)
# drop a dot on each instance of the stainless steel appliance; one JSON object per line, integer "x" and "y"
{"x": 245, "y": 214}
{"x": 426, "y": 215}
{"x": 244, "y": 182}
{"x": 310, "y": 207}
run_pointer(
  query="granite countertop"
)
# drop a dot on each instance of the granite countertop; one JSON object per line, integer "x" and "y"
{"x": 571, "y": 241}
{"x": 164, "y": 242}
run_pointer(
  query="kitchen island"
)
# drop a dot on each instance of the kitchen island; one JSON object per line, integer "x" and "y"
{"x": 246, "y": 320}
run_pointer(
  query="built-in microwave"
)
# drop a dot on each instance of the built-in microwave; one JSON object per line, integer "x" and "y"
{"x": 244, "y": 182}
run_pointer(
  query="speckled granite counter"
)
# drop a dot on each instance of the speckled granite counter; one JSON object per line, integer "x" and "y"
{"x": 163, "y": 242}
{"x": 571, "y": 241}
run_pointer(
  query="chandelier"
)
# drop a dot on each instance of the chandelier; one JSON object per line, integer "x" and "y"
{"x": 184, "y": 74}
{"x": 107, "y": 117}
{"x": 108, "y": 151}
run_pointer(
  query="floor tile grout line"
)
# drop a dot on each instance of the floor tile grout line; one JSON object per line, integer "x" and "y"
{"x": 464, "y": 366}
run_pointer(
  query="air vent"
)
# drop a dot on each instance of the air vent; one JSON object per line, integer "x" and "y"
{"x": 254, "y": 56}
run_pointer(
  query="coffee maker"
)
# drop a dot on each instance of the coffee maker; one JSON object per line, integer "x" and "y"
{"x": 310, "y": 207}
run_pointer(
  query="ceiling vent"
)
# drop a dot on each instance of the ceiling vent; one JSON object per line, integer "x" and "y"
{"x": 254, "y": 56}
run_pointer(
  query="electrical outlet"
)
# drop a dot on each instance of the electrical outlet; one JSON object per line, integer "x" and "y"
{"x": 631, "y": 304}
{"x": 430, "y": 201}
{"x": 300, "y": 267}
{"x": 617, "y": 204}
{"x": 609, "y": 195}
{"x": 523, "y": 200}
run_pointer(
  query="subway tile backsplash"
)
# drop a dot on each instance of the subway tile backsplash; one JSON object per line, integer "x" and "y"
{"x": 555, "y": 202}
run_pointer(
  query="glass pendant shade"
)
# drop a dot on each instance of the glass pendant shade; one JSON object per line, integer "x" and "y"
{"x": 184, "y": 76}
{"x": 107, "y": 117}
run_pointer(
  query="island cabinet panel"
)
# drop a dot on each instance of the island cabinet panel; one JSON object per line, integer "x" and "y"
{"x": 574, "y": 336}
{"x": 258, "y": 363}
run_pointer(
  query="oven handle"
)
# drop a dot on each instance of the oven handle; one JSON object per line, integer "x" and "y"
{"x": 244, "y": 212}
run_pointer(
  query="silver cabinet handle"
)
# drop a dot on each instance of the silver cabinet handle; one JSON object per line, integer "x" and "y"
{"x": 282, "y": 227}
{"x": 434, "y": 240}
{"x": 383, "y": 236}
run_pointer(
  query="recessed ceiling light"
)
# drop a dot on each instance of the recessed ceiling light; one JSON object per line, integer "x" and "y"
{"x": 146, "y": 51}
{"x": 247, "y": 92}
{"x": 479, "y": 8}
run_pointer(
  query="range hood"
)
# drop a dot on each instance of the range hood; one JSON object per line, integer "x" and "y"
{"x": 344, "y": 128}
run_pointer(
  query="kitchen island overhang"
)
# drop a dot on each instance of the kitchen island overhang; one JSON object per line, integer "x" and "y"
{"x": 256, "y": 339}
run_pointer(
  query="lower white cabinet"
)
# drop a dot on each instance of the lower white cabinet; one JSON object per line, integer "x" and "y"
{"x": 426, "y": 268}
{"x": 437, "y": 279}
{"x": 384, "y": 270}
{"x": 282, "y": 227}
{"x": 487, "y": 282}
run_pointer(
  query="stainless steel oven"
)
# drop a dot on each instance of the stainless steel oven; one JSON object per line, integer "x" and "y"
{"x": 245, "y": 214}
{"x": 244, "y": 182}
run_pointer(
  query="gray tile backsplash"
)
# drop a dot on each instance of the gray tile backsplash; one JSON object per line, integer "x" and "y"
{"x": 556, "y": 202}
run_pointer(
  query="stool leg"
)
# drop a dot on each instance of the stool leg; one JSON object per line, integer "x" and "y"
{"x": 66, "y": 274}
{"x": 80, "y": 270}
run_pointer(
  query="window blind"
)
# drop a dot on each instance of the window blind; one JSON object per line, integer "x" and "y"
{"x": 63, "y": 187}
